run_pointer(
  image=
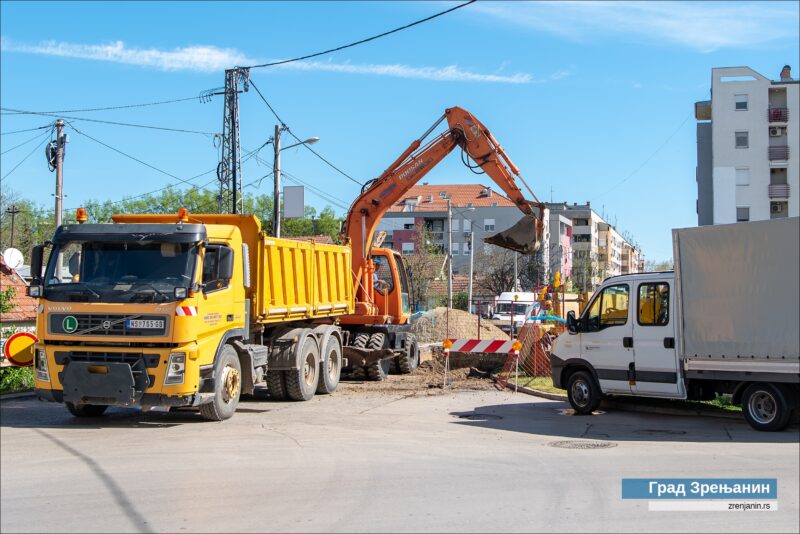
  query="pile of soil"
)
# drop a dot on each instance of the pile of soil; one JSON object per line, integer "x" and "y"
{"x": 433, "y": 327}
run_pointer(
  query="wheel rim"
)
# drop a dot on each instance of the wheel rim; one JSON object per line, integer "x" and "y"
{"x": 333, "y": 364}
{"x": 309, "y": 370}
{"x": 580, "y": 392}
{"x": 762, "y": 407}
{"x": 232, "y": 381}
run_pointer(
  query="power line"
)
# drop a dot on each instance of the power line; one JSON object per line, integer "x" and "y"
{"x": 129, "y": 156}
{"x": 651, "y": 156}
{"x": 37, "y": 147}
{"x": 206, "y": 93}
{"x": 384, "y": 34}
{"x": 28, "y": 129}
{"x": 116, "y": 123}
{"x": 337, "y": 169}
{"x": 37, "y": 136}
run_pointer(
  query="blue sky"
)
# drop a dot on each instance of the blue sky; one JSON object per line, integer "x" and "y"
{"x": 592, "y": 100}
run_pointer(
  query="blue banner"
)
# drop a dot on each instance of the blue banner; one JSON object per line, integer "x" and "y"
{"x": 700, "y": 488}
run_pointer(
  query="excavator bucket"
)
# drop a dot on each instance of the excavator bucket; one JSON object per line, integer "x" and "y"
{"x": 523, "y": 237}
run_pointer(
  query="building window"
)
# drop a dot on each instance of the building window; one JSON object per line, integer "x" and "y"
{"x": 408, "y": 226}
{"x": 742, "y": 139}
{"x": 488, "y": 225}
{"x": 741, "y": 102}
{"x": 467, "y": 225}
{"x": 455, "y": 225}
{"x": 742, "y": 213}
{"x": 408, "y": 248}
{"x": 743, "y": 176}
{"x": 466, "y": 249}
{"x": 581, "y": 222}
{"x": 455, "y": 249}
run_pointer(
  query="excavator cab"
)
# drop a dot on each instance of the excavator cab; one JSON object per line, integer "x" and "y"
{"x": 391, "y": 284}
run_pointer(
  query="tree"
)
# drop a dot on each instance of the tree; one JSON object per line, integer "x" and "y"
{"x": 653, "y": 265}
{"x": 495, "y": 270}
{"x": 585, "y": 270}
{"x": 424, "y": 264}
{"x": 32, "y": 225}
{"x": 5, "y": 299}
{"x": 461, "y": 300}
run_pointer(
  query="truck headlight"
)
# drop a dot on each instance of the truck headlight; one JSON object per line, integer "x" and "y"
{"x": 176, "y": 368}
{"x": 42, "y": 373}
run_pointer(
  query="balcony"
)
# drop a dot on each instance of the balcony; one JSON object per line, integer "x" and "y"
{"x": 778, "y": 114}
{"x": 778, "y": 191}
{"x": 780, "y": 152}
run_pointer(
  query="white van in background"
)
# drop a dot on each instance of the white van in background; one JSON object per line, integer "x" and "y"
{"x": 513, "y": 308}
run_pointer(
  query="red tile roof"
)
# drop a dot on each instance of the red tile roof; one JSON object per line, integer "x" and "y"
{"x": 23, "y": 307}
{"x": 460, "y": 196}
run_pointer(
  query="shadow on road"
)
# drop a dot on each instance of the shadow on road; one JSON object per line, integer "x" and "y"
{"x": 557, "y": 419}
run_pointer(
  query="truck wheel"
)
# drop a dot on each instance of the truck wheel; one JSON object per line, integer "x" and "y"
{"x": 301, "y": 384}
{"x": 331, "y": 368}
{"x": 276, "y": 385}
{"x": 766, "y": 407}
{"x": 583, "y": 393}
{"x": 86, "y": 410}
{"x": 410, "y": 360}
{"x": 227, "y": 387}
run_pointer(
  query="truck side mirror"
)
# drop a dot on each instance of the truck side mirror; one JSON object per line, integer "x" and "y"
{"x": 37, "y": 255}
{"x": 572, "y": 323}
{"x": 225, "y": 269}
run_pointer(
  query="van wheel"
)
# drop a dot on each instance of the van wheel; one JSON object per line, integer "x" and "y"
{"x": 86, "y": 410}
{"x": 227, "y": 387}
{"x": 583, "y": 393}
{"x": 301, "y": 384}
{"x": 766, "y": 407}
{"x": 331, "y": 368}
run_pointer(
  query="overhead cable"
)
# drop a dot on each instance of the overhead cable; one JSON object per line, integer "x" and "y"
{"x": 202, "y": 98}
{"x": 28, "y": 129}
{"x": 362, "y": 41}
{"x": 37, "y": 147}
{"x": 37, "y": 136}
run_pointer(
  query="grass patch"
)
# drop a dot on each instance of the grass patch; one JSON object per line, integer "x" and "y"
{"x": 15, "y": 379}
{"x": 721, "y": 403}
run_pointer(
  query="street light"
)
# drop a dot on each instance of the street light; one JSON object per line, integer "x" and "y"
{"x": 276, "y": 170}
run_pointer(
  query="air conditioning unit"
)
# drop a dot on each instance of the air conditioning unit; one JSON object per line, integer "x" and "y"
{"x": 775, "y": 131}
{"x": 776, "y": 208}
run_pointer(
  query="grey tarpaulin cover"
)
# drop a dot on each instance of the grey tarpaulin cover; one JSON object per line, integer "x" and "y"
{"x": 740, "y": 289}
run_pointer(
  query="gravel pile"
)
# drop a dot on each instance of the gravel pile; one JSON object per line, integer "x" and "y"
{"x": 432, "y": 327}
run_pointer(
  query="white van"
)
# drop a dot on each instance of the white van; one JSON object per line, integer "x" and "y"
{"x": 513, "y": 308}
{"x": 726, "y": 321}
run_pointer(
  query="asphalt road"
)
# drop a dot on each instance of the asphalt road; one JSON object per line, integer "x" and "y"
{"x": 454, "y": 462}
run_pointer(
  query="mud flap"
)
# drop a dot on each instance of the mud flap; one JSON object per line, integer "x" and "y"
{"x": 106, "y": 383}
{"x": 522, "y": 237}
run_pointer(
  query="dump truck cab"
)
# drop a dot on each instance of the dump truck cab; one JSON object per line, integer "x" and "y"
{"x": 118, "y": 319}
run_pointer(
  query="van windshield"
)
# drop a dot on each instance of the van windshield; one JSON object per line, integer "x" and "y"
{"x": 506, "y": 307}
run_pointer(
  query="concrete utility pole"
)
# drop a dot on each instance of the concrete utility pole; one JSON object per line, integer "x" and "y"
{"x": 515, "y": 271}
{"x": 471, "y": 250}
{"x": 12, "y": 210}
{"x": 59, "y": 170}
{"x": 276, "y": 194}
{"x": 449, "y": 256}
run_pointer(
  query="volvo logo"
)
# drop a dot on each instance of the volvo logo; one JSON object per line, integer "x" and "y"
{"x": 106, "y": 325}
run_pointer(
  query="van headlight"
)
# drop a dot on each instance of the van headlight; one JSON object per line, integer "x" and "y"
{"x": 42, "y": 373}
{"x": 176, "y": 369}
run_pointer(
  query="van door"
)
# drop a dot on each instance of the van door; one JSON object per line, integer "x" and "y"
{"x": 655, "y": 356}
{"x": 606, "y": 337}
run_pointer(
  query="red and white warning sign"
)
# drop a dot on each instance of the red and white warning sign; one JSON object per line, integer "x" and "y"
{"x": 19, "y": 349}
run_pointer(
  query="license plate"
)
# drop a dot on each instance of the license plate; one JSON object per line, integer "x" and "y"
{"x": 144, "y": 324}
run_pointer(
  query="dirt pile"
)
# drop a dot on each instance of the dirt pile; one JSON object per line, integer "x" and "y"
{"x": 432, "y": 327}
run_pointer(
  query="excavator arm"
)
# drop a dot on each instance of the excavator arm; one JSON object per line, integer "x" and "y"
{"x": 380, "y": 194}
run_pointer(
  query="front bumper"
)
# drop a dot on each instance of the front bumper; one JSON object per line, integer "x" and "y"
{"x": 146, "y": 400}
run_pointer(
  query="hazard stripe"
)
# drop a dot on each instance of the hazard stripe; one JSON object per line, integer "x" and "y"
{"x": 481, "y": 345}
{"x": 186, "y": 311}
{"x": 495, "y": 345}
{"x": 469, "y": 345}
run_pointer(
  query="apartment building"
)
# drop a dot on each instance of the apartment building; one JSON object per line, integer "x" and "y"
{"x": 632, "y": 259}
{"x": 747, "y": 147}
{"x": 559, "y": 251}
{"x": 477, "y": 211}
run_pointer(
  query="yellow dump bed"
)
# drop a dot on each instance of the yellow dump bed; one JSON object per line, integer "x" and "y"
{"x": 301, "y": 280}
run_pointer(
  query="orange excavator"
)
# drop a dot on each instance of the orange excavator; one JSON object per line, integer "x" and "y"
{"x": 379, "y": 335}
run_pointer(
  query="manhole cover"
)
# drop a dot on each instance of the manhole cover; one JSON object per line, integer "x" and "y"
{"x": 570, "y": 411}
{"x": 478, "y": 416}
{"x": 582, "y": 444}
{"x": 658, "y": 432}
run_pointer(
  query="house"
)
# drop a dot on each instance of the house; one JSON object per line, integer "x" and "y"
{"x": 23, "y": 308}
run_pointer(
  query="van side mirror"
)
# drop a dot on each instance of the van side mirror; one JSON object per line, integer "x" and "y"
{"x": 572, "y": 323}
{"x": 225, "y": 266}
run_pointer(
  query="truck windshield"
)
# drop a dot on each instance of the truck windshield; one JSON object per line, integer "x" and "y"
{"x": 119, "y": 272}
{"x": 504, "y": 308}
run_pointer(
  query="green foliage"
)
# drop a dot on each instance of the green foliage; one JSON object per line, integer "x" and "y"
{"x": 13, "y": 379}
{"x": 5, "y": 299}
{"x": 461, "y": 300}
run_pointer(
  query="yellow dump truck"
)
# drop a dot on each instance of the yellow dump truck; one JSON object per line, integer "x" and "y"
{"x": 187, "y": 310}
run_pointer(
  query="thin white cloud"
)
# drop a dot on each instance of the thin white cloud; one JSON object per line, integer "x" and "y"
{"x": 703, "y": 26}
{"x": 211, "y": 59}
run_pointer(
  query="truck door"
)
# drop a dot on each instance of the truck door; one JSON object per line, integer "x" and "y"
{"x": 655, "y": 357}
{"x": 606, "y": 337}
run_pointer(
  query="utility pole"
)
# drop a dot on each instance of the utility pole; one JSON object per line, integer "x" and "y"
{"x": 515, "y": 271}
{"x": 229, "y": 171}
{"x": 59, "y": 170}
{"x": 471, "y": 251}
{"x": 12, "y": 210}
{"x": 449, "y": 256}
{"x": 276, "y": 194}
